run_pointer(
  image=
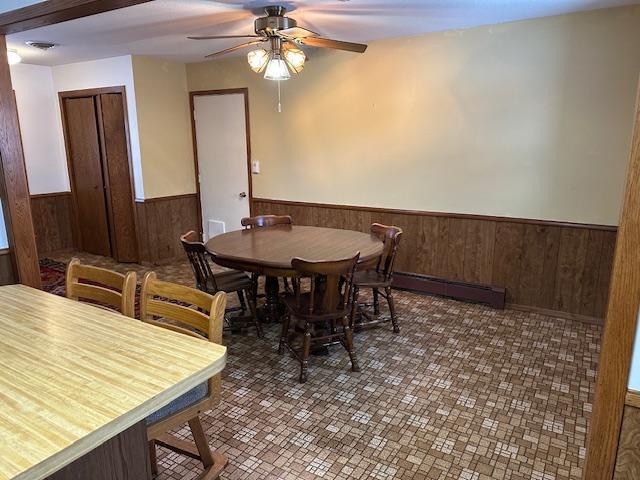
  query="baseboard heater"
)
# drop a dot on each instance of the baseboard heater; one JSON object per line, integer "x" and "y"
{"x": 468, "y": 292}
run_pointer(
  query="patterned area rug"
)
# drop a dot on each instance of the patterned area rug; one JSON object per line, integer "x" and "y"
{"x": 53, "y": 276}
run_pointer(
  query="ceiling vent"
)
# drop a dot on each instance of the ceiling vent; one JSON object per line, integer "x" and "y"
{"x": 41, "y": 45}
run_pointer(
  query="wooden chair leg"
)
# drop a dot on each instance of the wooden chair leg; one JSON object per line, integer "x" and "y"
{"x": 306, "y": 347}
{"x": 376, "y": 302}
{"x": 285, "y": 331}
{"x": 354, "y": 306}
{"x": 153, "y": 457}
{"x": 243, "y": 304}
{"x": 286, "y": 286}
{"x": 201, "y": 442}
{"x": 392, "y": 310}
{"x": 348, "y": 334}
{"x": 254, "y": 287}
{"x": 254, "y": 314}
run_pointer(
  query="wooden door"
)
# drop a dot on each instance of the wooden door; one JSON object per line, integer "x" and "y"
{"x": 83, "y": 144}
{"x": 118, "y": 177}
{"x": 221, "y": 130}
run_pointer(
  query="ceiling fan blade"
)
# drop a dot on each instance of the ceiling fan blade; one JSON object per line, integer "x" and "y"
{"x": 297, "y": 32}
{"x": 215, "y": 37}
{"x": 233, "y": 49}
{"x": 336, "y": 44}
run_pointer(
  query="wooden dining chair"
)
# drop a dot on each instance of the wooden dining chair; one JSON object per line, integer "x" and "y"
{"x": 196, "y": 313}
{"x": 266, "y": 221}
{"x": 379, "y": 279}
{"x": 324, "y": 307}
{"x": 101, "y": 287}
{"x": 261, "y": 221}
{"x": 229, "y": 281}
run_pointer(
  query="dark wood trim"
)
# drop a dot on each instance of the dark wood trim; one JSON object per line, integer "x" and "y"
{"x": 620, "y": 328}
{"x": 91, "y": 92}
{"x": 49, "y": 195}
{"x": 13, "y": 183}
{"x": 466, "y": 216}
{"x": 164, "y": 199}
{"x": 95, "y": 92}
{"x": 557, "y": 313}
{"x": 632, "y": 398}
{"x": 57, "y": 11}
{"x": 228, "y": 91}
{"x": 468, "y": 292}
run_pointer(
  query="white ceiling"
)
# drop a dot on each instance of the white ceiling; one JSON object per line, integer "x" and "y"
{"x": 159, "y": 28}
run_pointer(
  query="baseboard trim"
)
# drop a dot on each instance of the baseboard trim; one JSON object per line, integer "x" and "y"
{"x": 468, "y": 292}
{"x": 557, "y": 313}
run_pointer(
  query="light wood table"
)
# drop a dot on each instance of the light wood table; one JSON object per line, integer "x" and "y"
{"x": 74, "y": 377}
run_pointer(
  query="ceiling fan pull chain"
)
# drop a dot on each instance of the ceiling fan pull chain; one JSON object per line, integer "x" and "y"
{"x": 279, "y": 99}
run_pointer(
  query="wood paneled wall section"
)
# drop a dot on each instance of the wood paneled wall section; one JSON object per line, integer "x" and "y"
{"x": 161, "y": 221}
{"x": 7, "y": 275}
{"x": 52, "y": 221}
{"x": 544, "y": 265}
{"x": 628, "y": 457}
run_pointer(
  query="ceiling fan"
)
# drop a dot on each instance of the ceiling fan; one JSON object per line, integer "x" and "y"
{"x": 283, "y": 37}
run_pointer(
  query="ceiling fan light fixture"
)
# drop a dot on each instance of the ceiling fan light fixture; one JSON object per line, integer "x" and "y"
{"x": 13, "y": 57}
{"x": 295, "y": 59}
{"x": 258, "y": 59}
{"x": 277, "y": 68}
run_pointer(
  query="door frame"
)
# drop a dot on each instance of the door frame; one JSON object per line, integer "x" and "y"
{"x": 227, "y": 91}
{"x": 89, "y": 92}
{"x": 612, "y": 381}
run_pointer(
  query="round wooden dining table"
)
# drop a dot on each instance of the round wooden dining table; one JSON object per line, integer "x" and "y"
{"x": 269, "y": 250}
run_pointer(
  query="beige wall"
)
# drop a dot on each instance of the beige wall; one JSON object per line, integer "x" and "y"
{"x": 164, "y": 125}
{"x": 528, "y": 119}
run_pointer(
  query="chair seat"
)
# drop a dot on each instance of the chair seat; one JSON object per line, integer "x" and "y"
{"x": 301, "y": 309}
{"x": 370, "y": 278}
{"x": 186, "y": 400}
{"x": 231, "y": 281}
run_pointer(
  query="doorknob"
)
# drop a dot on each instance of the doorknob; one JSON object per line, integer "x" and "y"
{"x": 243, "y": 194}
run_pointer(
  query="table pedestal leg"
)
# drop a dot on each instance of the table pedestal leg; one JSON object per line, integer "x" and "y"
{"x": 272, "y": 301}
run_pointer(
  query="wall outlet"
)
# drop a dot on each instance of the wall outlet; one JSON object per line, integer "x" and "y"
{"x": 255, "y": 166}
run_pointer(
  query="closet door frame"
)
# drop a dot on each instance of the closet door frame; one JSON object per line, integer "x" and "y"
{"x": 96, "y": 92}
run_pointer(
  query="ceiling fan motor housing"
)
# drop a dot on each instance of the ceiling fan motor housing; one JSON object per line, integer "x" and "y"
{"x": 274, "y": 21}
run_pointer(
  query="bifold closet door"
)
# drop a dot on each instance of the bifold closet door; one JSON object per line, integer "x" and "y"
{"x": 83, "y": 143}
{"x": 118, "y": 176}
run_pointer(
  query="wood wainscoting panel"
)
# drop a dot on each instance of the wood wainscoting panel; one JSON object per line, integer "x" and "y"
{"x": 161, "y": 222}
{"x": 628, "y": 456}
{"x": 7, "y": 274}
{"x": 52, "y": 221}
{"x": 553, "y": 266}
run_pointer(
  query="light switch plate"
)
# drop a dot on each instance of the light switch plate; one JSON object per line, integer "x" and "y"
{"x": 255, "y": 166}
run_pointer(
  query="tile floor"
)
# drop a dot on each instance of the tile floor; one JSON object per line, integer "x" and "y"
{"x": 464, "y": 392}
